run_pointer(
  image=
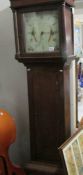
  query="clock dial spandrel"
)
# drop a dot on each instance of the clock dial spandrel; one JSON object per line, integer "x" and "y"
{"x": 41, "y": 31}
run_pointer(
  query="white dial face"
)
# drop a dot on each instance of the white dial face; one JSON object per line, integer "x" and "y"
{"x": 41, "y": 31}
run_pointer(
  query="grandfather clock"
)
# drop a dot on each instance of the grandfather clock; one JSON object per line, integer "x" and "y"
{"x": 44, "y": 44}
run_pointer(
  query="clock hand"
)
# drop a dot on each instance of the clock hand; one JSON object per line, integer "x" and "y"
{"x": 51, "y": 34}
{"x": 41, "y": 34}
{"x": 33, "y": 34}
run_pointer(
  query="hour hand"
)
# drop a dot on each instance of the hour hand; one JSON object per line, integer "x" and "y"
{"x": 51, "y": 34}
{"x": 33, "y": 34}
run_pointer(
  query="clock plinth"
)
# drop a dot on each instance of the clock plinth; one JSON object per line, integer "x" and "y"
{"x": 44, "y": 43}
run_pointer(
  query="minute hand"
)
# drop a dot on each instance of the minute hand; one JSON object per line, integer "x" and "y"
{"x": 51, "y": 34}
{"x": 33, "y": 34}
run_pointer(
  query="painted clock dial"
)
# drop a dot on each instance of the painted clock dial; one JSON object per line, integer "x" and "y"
{"x": 41, "y": 31}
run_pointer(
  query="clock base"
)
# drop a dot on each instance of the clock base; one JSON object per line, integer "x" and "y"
{"x": 38, "y": 168}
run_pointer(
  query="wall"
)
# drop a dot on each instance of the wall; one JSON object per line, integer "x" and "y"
{"x": 79, "y": 4}
{"x": 4, "y": 4}
{"x": 13, "y": 88}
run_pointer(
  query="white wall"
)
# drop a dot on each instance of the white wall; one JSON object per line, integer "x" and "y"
{"x": 79, "y": 4}
{"x": 13, "y": 88}
{"x": 4, "y": 4}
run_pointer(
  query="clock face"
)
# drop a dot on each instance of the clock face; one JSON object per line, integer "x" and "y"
{"x": 41, "y": 31}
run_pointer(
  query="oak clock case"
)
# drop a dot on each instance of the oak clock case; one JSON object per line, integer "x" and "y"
{"x": 44, "y": 44}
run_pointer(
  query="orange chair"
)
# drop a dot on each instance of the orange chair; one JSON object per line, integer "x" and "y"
{"x": 7, "y": 137}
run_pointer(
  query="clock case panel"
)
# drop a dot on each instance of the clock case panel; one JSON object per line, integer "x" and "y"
{"x": 65, "y": 18}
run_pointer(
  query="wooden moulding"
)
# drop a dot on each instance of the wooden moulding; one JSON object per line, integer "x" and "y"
{"x": 39, "y": 168}
{"x": 23, "y": 3}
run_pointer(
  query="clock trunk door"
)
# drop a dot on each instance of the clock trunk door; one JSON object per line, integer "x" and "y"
{"x": 47, "y": 122}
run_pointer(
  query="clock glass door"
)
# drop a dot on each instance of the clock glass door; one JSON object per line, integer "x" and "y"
{"x": 41, "y": 31}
